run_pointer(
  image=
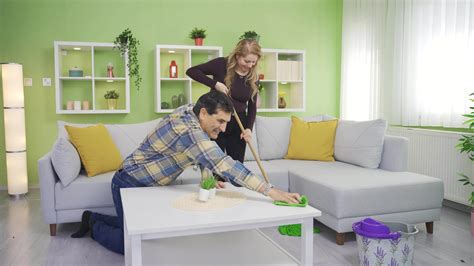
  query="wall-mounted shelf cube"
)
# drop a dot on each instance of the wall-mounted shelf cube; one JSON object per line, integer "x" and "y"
{"x": 171, "y": 92}
{"x": 88, "y": 80}
{"x": 285, "y": 76}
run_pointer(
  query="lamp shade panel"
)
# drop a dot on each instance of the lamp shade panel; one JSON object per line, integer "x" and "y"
{"x": 12, "y": 78}
{"x": 15, "y": 135}
{"x": 17, "y": 173}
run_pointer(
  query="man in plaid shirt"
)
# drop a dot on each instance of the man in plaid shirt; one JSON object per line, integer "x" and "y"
{"x": 180, "y": 140}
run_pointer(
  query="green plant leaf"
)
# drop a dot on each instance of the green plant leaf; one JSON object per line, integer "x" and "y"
{"x": 112, "y": 94}
{"x": 128, "y": 45}
{"x": 250, "y": 35}
{"x": 197, "y": 33}
{"x": 208, "y": 183}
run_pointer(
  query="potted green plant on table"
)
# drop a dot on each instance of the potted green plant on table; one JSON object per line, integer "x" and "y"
{"x": 466, "y": 145}
{"x": 250, "y": 35}
{"x": 111, "y": 98}
{"x": 207, "y": 184}
{"x": 198, "y": 35}
{"x": 128, "y": 45}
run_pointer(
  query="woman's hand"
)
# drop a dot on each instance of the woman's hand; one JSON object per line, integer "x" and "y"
{"x": 246, "y": 135}
{"x": 277, "y": 194}
{"x": 222, "y": 87}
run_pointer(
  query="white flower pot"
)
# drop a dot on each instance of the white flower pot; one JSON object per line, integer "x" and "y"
{"x": 212, "y": 193}
{"x": 203, "y": 194}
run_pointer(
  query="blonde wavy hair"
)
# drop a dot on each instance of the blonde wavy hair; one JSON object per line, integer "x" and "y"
{"x": 244, "y": 48}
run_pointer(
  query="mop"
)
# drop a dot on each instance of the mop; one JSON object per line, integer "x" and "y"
{"x": 290, "y": 229}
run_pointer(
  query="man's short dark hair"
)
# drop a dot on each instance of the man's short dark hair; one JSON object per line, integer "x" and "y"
{"x": 212, "y": 102}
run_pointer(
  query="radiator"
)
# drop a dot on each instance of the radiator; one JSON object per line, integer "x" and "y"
{"x": 434, "y": 153}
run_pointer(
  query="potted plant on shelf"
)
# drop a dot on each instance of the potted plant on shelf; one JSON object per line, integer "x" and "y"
{"x": 207, "y": 184}
{"x": 250, "y": 35}
{"x": 466, "y": 144}
{"x": 111, "y": 98}
{"x": 198, "y": 35}
{"x": 127, "y": 44}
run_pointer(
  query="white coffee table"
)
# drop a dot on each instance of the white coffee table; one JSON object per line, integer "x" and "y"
{"x": 149, "y": 214}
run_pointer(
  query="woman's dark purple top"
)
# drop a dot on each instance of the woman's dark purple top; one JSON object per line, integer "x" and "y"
{"x": 241, "y": 91}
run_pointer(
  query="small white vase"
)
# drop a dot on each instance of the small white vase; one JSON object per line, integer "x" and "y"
{"x": 203, "y": 194}
{"x": 212, "y": 193}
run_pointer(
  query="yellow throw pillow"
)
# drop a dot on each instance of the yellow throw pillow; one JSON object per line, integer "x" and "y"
{"x": 96, "y": 148}
{"x": 312, "y": 140}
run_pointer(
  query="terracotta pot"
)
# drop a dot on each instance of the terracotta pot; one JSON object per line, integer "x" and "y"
{"x": 112, "y": 104}
{"x": 198, "y": 41}
{"x": 70, "y": 105}
{"x": 85, "y": 105}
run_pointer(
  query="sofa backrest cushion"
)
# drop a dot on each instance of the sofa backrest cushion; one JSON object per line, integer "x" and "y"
{"x": 127, "y": 137}
{"x": 360, "y": 143}
{"x": 97, "y": 150}
{"x": 65, "y": 160}
{"x": 273, "y": 134}
{"x": 312, "y": 140}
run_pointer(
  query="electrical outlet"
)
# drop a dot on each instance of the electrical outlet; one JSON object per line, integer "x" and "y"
{"x": 27, "y": 82}
{"x": 46, "y": 82}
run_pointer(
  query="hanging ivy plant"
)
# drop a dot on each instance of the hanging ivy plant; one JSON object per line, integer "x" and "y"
{"x": 125, "y": 42}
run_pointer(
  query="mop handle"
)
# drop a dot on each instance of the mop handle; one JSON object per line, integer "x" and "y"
{"x": 255, "y": 155}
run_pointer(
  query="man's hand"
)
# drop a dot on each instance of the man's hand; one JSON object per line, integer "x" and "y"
{"x": 277, "y": 194}
{"x": 220, "y": 184}
{"x": 246, "y": 135}
{"x": 222, "y": 87}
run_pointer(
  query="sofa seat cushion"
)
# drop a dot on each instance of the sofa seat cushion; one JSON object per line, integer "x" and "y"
{"x": 344, "y": 190}
{"x": 278, "y": 176}
{"x": 85, "y": 192}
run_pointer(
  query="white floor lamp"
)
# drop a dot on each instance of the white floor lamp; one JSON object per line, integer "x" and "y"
{"x": 15, "y": 136}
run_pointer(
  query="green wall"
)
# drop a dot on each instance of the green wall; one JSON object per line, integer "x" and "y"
{"x": 29, "y": 27}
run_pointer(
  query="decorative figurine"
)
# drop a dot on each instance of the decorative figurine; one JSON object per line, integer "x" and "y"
{"x": 110, "y": 70}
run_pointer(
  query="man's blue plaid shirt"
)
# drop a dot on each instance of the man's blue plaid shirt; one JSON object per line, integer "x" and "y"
{"x": 179, "y": 142}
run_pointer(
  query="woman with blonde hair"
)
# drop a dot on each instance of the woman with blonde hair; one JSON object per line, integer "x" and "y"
{"x": 235, "y": 75}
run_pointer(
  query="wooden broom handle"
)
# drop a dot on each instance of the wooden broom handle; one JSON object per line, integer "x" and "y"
{"x": 255, "y": 155}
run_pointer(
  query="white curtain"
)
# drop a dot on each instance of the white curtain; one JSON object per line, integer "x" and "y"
{"x": 408, "y": 61}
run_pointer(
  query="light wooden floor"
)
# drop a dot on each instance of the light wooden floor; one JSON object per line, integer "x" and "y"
{"x": 25, "y": 240}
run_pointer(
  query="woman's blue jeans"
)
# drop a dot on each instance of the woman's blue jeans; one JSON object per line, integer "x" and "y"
{"x": 107, "y": 229}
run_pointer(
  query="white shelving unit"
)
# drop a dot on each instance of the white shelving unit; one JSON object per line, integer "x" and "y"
{"x": 168, "y": 88}
{"x": 92, "y": 58}
{"x": 284, "y": 72}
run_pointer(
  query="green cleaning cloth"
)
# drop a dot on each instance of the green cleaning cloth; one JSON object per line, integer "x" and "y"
{"x": 294, "y": 230}
{"x": 303, "y": 202}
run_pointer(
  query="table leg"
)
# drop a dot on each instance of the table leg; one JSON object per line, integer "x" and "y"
{"x": 132, "y": 247}
{"x": 307, "y": 242}
{"x": 126, "y": 244}
{"x": 136, "y": 250}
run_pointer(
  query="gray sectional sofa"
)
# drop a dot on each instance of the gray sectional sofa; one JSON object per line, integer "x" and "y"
{"x": 344, "y": 191}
